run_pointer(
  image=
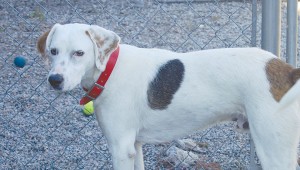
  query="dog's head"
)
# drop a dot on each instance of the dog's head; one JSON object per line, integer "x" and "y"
{"x": 75, "y": 50}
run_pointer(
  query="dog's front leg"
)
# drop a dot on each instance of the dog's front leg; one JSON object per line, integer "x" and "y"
{"x": 123, "y": 152}
{"x": 139, "y": 160}
{"x": 120, "y": 132}
{"x": 127, "y": 155}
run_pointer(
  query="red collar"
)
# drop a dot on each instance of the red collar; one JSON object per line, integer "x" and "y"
{"x": 98, "y": 87}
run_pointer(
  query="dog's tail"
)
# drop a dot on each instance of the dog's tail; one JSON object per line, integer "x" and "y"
{"x": 294, "y": 91}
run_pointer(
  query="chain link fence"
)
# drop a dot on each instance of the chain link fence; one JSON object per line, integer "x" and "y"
{"x": 43, "y": 129}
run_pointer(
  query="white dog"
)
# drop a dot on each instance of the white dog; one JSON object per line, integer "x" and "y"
{"x": 155, "y": 95}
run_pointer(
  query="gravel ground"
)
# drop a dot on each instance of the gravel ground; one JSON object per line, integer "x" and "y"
{"x": 42, "y": 129}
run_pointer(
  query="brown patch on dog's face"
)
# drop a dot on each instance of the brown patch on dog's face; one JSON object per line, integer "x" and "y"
{"x": 279, "y": 75}
{"x": 41, "y": 45}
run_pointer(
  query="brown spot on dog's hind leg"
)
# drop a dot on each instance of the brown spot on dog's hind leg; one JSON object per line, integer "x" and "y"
{"x": 295, "y": 75}
{"x": 281, "y": 76}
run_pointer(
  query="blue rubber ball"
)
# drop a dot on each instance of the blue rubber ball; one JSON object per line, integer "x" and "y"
{"x": 20, "y": 61}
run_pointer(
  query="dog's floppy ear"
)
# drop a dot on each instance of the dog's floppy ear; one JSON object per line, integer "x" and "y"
{"x": 105, "y": 42}
{"x": 45, "y": 39}
{"x": 41, "y": 44}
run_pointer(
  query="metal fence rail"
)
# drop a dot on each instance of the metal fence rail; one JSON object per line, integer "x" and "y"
{"x": 41, "y": 129}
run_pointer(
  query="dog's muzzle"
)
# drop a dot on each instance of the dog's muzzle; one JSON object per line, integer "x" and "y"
{"x": 56, "y": 81}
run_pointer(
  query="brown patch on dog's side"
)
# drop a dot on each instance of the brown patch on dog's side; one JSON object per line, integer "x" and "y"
{"x": 281, "y": 76}
{"x": 41, "y": 44}
{"x": 165, "y": 84}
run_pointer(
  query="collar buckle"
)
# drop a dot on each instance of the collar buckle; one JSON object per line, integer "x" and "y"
{"x": 90, "y": 91}
{"x": 90, "y": 97}
{"x": 99, "y": 86}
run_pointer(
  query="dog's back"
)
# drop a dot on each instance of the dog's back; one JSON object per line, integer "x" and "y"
{"x": 199, "y": 88}
{"x": 215, "y": 85}
{"x": 168, "y": 95}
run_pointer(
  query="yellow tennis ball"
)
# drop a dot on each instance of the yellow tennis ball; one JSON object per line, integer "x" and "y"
{"x": 88, "y": 109}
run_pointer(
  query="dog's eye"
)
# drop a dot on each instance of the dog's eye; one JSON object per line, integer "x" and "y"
{"x": 79, "y": 53}
{"x": 54, "y": 51}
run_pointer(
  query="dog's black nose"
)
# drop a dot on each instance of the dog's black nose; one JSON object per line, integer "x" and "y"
{"x": 56, "y": 81}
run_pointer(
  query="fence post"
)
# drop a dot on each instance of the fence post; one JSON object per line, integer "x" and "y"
{"x": 292, "y": 33}
{"x": 271, "y": 35}
{"x": 254, "y": 23}
{"x": 253, "y": 44}
{"x": 271, "y": 26}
